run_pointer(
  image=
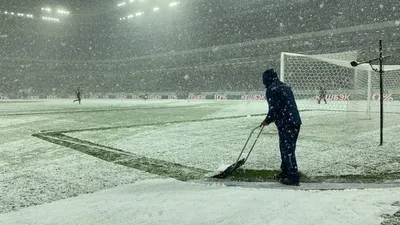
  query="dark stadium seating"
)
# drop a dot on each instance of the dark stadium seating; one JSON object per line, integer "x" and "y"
{"x": 205, "y": 46}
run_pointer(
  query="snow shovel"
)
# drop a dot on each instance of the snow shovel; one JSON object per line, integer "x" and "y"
{"x": 239, "y": 162}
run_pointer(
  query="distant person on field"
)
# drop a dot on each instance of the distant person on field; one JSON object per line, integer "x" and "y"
{"x": 321, "y": 95}
{"x": 78, "y": 96}
{"x": 282, "y": 110}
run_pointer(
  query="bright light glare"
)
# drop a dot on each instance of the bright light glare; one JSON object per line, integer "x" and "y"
{"x": 46, "y": 9}
{"x": 18, "y": 14}
{"x": 156, "y": 9}
{"x": 121, "y": 4}
{"x": 172, "y": 4}
{"x": 50, "y": 19}
{"x": 63, "y": 12}
{"x": 131, "y": 0}
{"x": 139, "y": 13}
{"x": 130, "y": 16}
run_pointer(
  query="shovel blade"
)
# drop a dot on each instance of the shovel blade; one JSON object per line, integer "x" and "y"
{"x": 230, "y": 170}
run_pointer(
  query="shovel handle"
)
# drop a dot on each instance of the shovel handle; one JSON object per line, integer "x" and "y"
{"x": 251, "y": 133}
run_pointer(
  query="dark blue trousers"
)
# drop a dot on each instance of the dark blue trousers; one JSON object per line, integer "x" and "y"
{"x": 287, "y": 144}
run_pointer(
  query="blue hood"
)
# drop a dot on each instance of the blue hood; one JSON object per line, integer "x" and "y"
{"x": 269, "y": 76}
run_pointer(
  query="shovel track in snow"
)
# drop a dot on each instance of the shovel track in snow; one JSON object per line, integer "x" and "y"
{"x": 186, "y": 173}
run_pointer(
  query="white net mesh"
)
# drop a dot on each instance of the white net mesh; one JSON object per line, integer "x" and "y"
{"x": 352, "y": 93}
{"x": 391, "y": 88}
{"x": 352, "y": 89}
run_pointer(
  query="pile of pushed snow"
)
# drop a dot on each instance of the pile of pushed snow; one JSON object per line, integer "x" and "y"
{"x": 219, "y": 170}
{"x": 172, "y": 202}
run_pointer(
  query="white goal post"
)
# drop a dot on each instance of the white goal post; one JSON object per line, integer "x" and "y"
{"x": 348, "y": 88}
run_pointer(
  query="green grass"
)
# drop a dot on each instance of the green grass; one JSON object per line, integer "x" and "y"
{"x": 250, "y": 175}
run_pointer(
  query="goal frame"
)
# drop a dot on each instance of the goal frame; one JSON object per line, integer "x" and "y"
{"x": 344, "y": 62}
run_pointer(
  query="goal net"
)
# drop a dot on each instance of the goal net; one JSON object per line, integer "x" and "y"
{"x": 347, "y": 88}
{"x": 352, "y": 93}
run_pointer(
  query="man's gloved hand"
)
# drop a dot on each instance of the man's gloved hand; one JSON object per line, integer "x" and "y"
{"x": 263, "y": 123}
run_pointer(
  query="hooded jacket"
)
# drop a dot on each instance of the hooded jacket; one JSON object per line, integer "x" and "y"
{"x": 282, "y": 108}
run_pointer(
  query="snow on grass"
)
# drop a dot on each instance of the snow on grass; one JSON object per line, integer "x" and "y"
{"x": 325, "y": 147}
{"x": 34, "y": 172}
{"x": 53, "y": 105}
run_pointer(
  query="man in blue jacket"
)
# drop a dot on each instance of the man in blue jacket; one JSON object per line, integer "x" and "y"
{"x": 282, "y": 110}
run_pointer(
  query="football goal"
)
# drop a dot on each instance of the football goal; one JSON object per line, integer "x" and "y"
{"x": 351, "y": 89}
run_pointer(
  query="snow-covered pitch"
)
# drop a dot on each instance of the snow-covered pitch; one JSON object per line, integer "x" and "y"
{"x": 44, "y": 182}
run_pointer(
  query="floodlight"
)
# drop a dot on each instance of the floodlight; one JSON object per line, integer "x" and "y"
{"x": 130, "y": 16}
{"x": 139, "y": 13}
{"x": 156, "y": 9}
{"x": 63, "y": 12}
{"x": 121, "y": 4}
{"x": 5, "y": 12}
{"x": 51, "y": 19}
{"x": 172, "y": 4}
